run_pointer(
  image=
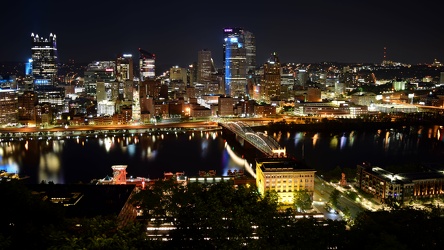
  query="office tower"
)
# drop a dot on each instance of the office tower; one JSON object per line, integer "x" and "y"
{"x": 125, "y": 76}
{"x": 26, "y": 102}
{"x": 272, "y": 78}
{"x": 147, "y": 63}
{"x": 441, "y": 78}
{"x": 301, "y": 77}
{"x": 44, "y": 59}
{"x": 204, "y": 67}
{"x": 124, "y": 68}
{"x": 28, "y": 68}
{"x": 8, "y": 106}
{"x": 179, "y": 74}
{"x": 239, "y": 56}
{"x": 192, "y": 74}
{"x": 100, "y": 71}
{"x": 148, "y": 90}
{"x": 250, "y": 47}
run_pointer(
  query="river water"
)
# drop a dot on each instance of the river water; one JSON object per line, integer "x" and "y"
{"x": 150, "y": 155}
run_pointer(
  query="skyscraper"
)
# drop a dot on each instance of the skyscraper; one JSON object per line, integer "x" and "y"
{"x": 204, "y": 66}
{"x": 239, "y": 57}
{"x": 125, "y": 76}
{"x": 125, "y": 68}
{"x": 147, "y": 63}
{"x": 100, "y": 75}
{"x": 272, "y": 78}
{"x": 44, "y": 59}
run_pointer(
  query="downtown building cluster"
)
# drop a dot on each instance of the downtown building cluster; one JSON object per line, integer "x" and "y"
{"x": 127, "y": 89}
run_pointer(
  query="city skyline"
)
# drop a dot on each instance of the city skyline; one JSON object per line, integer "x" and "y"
{"x": 343, "y": 31}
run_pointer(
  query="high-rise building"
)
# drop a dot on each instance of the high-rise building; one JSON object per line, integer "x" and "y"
{"x": 147, "y": 65}
{"x": 125, "y": 76}
{"x": 8, "y": 106}
{"x": 272, "y": 78}
{"x": 100, "y": 71}
{"x": 26, "y": 103}
{"x": 239, "y": 56}
{"x": 44, "y": 59}
{"x": 250, "y": 47}
{"x": 204, "y": 67}
{"x": 124, "y": 68}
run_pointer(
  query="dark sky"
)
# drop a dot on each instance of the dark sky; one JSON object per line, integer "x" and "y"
{"x": 298, "y": 31}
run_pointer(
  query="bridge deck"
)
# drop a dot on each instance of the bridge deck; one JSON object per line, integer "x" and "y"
{"x": 263, "y": 142}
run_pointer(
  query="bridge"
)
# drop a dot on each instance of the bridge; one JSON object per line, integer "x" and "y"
{"x": 260, "y": 140}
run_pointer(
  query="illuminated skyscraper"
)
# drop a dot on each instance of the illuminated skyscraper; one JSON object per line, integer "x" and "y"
{"x": 100, "y": 76}
{"x": 44, "y": 59}
{"x": 147, "y": 62}
{"x": 125, "y": 76}
{"x": 239, "y": 58}
{"x": 124, "y": 68}
{"x": 204, "y": 66}
{"x": 272, "y": 78}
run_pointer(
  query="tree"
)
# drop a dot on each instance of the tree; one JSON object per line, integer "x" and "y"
{"x": 26, "y": 216}
{"x": 334, "y": 197}
{"x": 302, "y": 199}
{"x": 101, "y": 233}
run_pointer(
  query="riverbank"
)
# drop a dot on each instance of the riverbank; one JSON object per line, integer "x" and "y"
{"x": 342, "y": 125}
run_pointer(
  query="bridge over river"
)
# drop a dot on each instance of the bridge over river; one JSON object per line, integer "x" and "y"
{"x": 260, "y": 140}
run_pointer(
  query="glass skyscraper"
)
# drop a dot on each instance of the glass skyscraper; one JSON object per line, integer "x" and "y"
{"x": 239, "y": 58}
{"x": 44, "y": 59}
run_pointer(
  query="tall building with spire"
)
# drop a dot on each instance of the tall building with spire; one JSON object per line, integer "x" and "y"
{"x": 239, "y": 58}
{"x": 44, "y": 59}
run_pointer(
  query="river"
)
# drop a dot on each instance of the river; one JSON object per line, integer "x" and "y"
{"x": 77, "y": 160}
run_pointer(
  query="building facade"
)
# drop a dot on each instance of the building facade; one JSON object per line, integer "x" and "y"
{"x": 402, "y": 187}
{"x": 204, "y": 67}
{"x": 147, "y": 65}
{"x": 239, "y": 52}
{"x": 285, "y": 176}
{"x": 272, "y": 78}
{"x": 8, "y": 106}
{"x": 44, "y": 59}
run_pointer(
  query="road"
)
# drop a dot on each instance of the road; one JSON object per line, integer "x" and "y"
{"x": 322, "y": 194}
{"x": 167, "y": 123}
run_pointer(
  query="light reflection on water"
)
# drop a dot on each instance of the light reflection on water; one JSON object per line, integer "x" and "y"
{"x": 382, "y": 147}
{"x": 84, "y": 159}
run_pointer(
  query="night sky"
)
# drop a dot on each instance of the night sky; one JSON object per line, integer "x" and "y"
{"x": 298, "y": 31}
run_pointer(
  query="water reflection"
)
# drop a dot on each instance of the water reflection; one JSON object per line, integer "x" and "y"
{"x": 343, "y": 141}
{"x": 150, "y": 155}
{"x": 381, "y": 147}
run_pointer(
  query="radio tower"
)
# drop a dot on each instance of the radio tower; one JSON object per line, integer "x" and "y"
{"x": 385, "y": 53}
{"x": 384, "y": 61}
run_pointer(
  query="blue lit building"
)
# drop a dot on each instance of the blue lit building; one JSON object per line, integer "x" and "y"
{"x": 239, "y": 59}
{"x": 28, "y": 68}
